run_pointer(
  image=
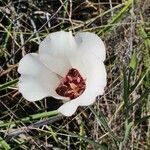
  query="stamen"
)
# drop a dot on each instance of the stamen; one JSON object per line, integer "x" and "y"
{"x": 72, "y": 86}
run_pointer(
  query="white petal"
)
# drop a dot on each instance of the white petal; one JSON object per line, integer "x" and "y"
{"x": 31, "y": 89}
{"x": 36, "y": 81}
{"x": 54, "y": 51}
{"x": 68, "y": 108}
{"x": 93, "y": 70}
{"x": 91, "y": 43}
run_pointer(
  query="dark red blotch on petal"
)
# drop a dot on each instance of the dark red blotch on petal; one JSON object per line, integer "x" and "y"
{"x": 72, "y": 86}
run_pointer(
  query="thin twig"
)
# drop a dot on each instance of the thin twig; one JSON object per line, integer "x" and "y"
{"x": 37, "y": 124}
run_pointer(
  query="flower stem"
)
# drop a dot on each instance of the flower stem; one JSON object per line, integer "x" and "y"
{"x": 31, "y": 118}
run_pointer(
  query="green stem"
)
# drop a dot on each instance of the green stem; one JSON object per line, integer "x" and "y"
{"x": 31, "y": 118}
{"x": 7, "y": 84}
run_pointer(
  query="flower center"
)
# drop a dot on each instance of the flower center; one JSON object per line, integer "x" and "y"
{"x": 72, "y": 86}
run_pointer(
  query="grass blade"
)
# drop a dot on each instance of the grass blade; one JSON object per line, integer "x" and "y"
{"x": 31, "y": 118}
{"x": 4, "y": 145}
{"x": 102, "y": 121}
{"x": 8, "y": 84}
{"x": 127, "y": 132}
{"x": 117, "y": 17}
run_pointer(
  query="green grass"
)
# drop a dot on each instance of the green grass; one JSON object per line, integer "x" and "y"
{"x": 118, "y": 120}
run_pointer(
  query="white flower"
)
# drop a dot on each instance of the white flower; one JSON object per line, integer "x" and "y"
{"x": 66, "y": 67}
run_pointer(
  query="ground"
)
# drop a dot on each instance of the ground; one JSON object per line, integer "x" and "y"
{"x": 119, "y": 119}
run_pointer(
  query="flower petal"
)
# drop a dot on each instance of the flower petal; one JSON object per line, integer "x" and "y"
{"x": 31, "y": 89}
{"x": 90, "y": 42}
{"x": 68, "y": 108}
{"x": 93, "y": 70}
{"x": 36, "y": 81}
{"x": 54, "y": 51}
